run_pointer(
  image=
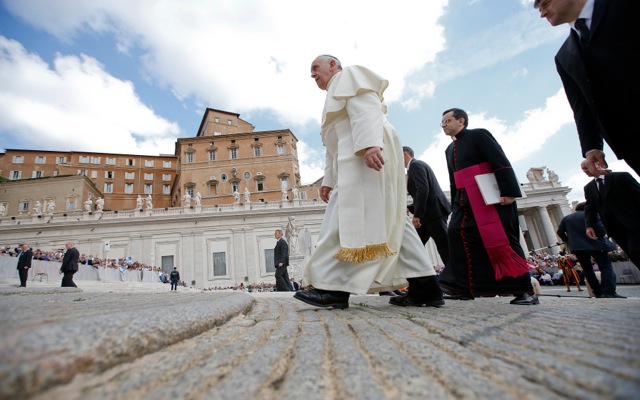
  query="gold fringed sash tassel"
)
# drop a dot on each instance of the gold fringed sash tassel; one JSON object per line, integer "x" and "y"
{"x": 363, "y": 254}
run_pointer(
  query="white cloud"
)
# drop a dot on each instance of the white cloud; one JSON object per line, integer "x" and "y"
{"x": 252, "y": 54}
{"x": 76, "y": 105}
{"x": 311, "y": 163}
{"x": 518, "y": 140}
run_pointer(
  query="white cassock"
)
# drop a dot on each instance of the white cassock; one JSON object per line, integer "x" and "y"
{"x": 366, "y": 243}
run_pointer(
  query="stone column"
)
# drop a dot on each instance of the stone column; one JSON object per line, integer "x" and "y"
{"x": 547, "y": 226}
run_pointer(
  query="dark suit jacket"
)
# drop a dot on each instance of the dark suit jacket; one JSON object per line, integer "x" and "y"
{"x": 70, "y": 260}
{"x": 25, "y": 259}
{"x": 602, "y": 81}
{"x": 619, "y": 207}
{"x": 572, "y": 230}
{"x": 281, "y": 253}
{"x": 429, "y": 202}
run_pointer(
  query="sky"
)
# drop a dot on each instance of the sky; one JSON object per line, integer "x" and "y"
{"x": 132, "y": 76}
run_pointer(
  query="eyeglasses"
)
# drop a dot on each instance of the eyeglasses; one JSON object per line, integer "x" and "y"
{"x": 446, "y": 121}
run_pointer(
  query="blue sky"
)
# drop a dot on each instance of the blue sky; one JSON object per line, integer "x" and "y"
{"x": 131, "y": 76}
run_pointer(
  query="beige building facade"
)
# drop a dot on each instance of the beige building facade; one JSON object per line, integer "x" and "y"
{"x": 119, "y": 177}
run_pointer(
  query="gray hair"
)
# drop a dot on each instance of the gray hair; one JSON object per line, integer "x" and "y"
{"x": 329, "y": 57}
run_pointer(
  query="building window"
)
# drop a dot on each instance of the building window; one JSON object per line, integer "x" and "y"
{"x": 268, "y": 259}
{"x": 257, "y": 152}
{"x": 216, "y": 120}
{"x": 229, "y": 122}
{"x": 212, "y": 155}
{"x": 233, "y": 153}
{"x": 259, "y": 186}
{"x": 108, "y": 187}
{"x": 235, "y": 187}
{"x": 95, "y": 160}
{"x": 189, "y": 158}
{"x": 223, "y": 178}
{"x": 15, "y": 175}
{"x": 280, "y": 149}
{"x": 71, "y": 203}
{"x": 148, "y": 163}
{"x": 148, "y": 177}
{"x": 129, "y": 175}
{"x": 23, "y": 206}
{"x": 246, "y": 175}
{"x": 18, "y": 159}
{"x": 284, "y": 183}
{"x": 37, "y": 174}
{"x": 219, "y": 264}
{"x": 216, "y": 133}
{"x": 84, "y": 159}
{"x": 166, "y": 164}
{"x": 55, "y": 173}
{"x": 111, "y": 161}
{"x": 166, "y": 189}
{"x": 128, "y": 188}
{"x": 189, "y": 191}
{"x": 130, "y": 162}
{"x": 94, "y": 174}
{"x": 148, "y": 189}
{"x": 41, "y": 159}
{"x": 166, "y": 177}
{"x": 82, "y": 172}
{"x": 109, "y": 174}
{"x": 61, "y": 160}
{"x": 303, "y": 195}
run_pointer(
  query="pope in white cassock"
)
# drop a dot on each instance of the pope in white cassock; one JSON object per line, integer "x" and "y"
{"x": 366, "y": 243}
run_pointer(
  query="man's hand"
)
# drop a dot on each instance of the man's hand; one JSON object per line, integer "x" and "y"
{"x": 279, "y": 265}
{"x": 596, "y": 163}
{"x": 505, "y": 201}
{"x": 416, "y": 222}
{"x": 373, "y": 158}
{"x": 325, "y": 191}
{"x": 592, "y": 233}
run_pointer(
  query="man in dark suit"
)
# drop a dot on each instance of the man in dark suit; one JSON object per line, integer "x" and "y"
{"x": 281, "y": 261}
{"x": 69, "y": 265}
{"x": 615, "y": 198}
{"x": 598, "y": 68}
{"x": 572, "y": 231}
{"x": 24, "y": 263}
{"x": 430, "y": 206}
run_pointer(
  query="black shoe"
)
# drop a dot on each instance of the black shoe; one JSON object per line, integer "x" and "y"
{"x": 613, "y": 296}
{"x": 525, "y": 299}
{"x": 406, "y": 301}
{"x": 387, "y": 293}
{"x": 455, "y": 297}
{"x": 323, "y": 298}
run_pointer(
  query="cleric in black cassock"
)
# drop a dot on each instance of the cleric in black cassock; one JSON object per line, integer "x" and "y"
{"x": 470, "y": 271}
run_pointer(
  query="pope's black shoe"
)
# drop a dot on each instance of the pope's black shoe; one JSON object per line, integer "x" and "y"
{"x": 525, "y": 299}
{"x": 323, "y": 298}
{"x": 406, "y": 301}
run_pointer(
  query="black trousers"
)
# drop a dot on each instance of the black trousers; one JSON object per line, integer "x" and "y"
{"x": 283, "y": 284}
{"x": 24, "y": 274}
{"x": 67, "y": 279}
{"x": 436, "y": 229}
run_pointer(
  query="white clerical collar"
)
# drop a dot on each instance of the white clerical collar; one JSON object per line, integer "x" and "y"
{"x": 586, "y": 13}
{"x": 601, "y": 177}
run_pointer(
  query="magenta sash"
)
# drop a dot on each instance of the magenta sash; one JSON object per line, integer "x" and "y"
{"x": 505, "y": 261}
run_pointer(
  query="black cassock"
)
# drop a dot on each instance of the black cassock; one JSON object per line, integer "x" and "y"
{"x": 469, "y": 271}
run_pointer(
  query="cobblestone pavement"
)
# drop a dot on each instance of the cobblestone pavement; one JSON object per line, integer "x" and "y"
{"x": 107, "y": 344}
